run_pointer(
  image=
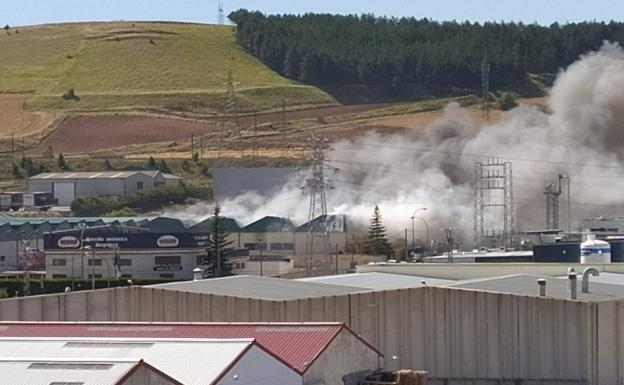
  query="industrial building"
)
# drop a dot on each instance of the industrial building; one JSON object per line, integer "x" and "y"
{"x": 314, "y": 351}
{"x": 66, "y": 186}
{"x": 44, "y": 360}
{"x": 151, "y": 246}
{"x": 490, "y": 325}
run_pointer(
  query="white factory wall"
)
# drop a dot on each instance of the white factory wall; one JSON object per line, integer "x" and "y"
{"x": 258, "y": 367}
{"x": 268, "y": 239}
{"x": 268, "y": 269}
{"x": 345, "y": 355}
{"x": 470, "y": 336}
{"x": 142, "y": 263}
{"x": 337, "y": 241}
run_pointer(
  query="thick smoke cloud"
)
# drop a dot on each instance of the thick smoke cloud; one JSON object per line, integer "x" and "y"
{"x": 580, "y": 134}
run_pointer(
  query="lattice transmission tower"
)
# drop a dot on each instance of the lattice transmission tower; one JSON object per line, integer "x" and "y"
{"x": 316, "y": 186}
{"x": 494, "y": 204}
{"x": 485, "y": 87}
{"x": 220, "y": 14}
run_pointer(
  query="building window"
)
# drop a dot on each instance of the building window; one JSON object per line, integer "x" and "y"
{"x": 288, "y": 246}
{"x": 262, "y": 246}
{"x": 276, "y": 246}
{"x": 59, "y": 262}
{"x": 2, "y": 258}
{"x": 97, "y": 262}
{"x": 139, "y": 185}
{"x": 125, "y": 262}
{"x": 58, "y": 276}
{"x": 166, "y": 275}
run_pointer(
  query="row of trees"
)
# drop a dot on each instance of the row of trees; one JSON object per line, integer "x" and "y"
{"x": 325, "y": 49}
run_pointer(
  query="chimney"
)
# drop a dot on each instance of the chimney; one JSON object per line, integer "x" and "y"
{"x": 586, "y": 273}
{"x": 572, "y": 285}
{"x": 198, "y": 274}
{"x": 541, "y": 284}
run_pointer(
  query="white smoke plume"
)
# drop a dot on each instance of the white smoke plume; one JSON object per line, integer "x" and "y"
{"x": 580, "y": 134}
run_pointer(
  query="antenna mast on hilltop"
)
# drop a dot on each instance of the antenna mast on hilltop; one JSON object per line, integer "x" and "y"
{"x": 220, "y": 15}
{"x": 317, "y": 239}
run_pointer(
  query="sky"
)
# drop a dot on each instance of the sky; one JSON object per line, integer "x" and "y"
{"x": 29, "y": 12}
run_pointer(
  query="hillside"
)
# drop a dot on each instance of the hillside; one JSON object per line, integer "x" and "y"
{"x": 157, "y": 67}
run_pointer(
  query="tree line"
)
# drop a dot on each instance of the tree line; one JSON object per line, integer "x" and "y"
{"x": 327, "y": 50}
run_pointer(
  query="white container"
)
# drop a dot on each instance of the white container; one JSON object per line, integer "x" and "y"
{"x": 595, "y": 251}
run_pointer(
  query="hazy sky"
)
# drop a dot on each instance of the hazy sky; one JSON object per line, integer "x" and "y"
{"x": 27, "y": 12}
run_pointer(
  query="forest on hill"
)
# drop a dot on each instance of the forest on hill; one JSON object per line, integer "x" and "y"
{"x": 333, "y": 50}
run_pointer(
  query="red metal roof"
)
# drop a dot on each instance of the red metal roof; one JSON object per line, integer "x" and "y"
{"x": 296, "y": 344}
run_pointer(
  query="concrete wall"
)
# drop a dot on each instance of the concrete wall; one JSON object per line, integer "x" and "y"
{"x": 131, "y": 182}
{"x": 454, "y": 334}
{"x": 347, "y": 354}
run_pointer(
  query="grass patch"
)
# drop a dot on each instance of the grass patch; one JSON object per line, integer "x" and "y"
{"x": 128, "y": 66}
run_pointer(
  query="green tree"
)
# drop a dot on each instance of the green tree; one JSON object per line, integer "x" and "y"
{"x": 17, "y": 174}
{"x": 151, "y": 163}
{"x": 507, "y": 101}
{"x": 108, "y": 166}
{"x": 61, "y": 162}
{"x": 162, "y": 167}
{"x": 377, "y": 243}
{"x": 219, "y": 248}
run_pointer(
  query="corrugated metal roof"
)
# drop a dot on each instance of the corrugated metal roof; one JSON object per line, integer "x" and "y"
{"x": 333, "y": 223}
{"x": 204, "y": 226}
{"x": 92, "y": 175}
{"x": 211, "y": 358}
{"x": 526, "y": 284}
{"x": 33, "y": 373}
{"x": 378, "y": 281}
{"x": 270, "y": 224}
{"x": 246, "y": 286}
{"x": 297, "y": 344}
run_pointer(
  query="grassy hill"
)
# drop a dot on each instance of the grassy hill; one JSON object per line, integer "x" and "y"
{"x": 163, "y": 67}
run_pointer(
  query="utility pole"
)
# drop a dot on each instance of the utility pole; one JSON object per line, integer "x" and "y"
{"x": 12, "y": 147}
{"x": 192, "y": 146}
{"x": 284, "y": 114}
{"x": 450, "y": 238}
{"x": 405, "y": 253}
{"x": 317, "y": 239}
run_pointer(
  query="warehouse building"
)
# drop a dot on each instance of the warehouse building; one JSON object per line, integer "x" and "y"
{"x": 66, "y": 186}
{"x": 496, "y": 329}
{"x": 110, "y": 360}
{"x": 315, "y": 351}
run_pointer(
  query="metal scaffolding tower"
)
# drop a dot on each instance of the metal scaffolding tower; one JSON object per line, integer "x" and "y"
{"x": 552, "y": 190}
{"x": 494, "y": 205}
{"x": 317, "y": 239}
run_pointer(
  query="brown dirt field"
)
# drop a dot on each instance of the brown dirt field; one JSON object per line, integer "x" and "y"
{"x": 15, "y": 120}
{"x": 80, "y": 134}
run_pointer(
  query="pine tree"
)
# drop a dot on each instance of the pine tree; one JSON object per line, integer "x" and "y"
{"x": 377, "y": 243}
{"x": 219, "y": 248}
{"x": 151, "y": 163}
{"x": 162, "y": 167}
